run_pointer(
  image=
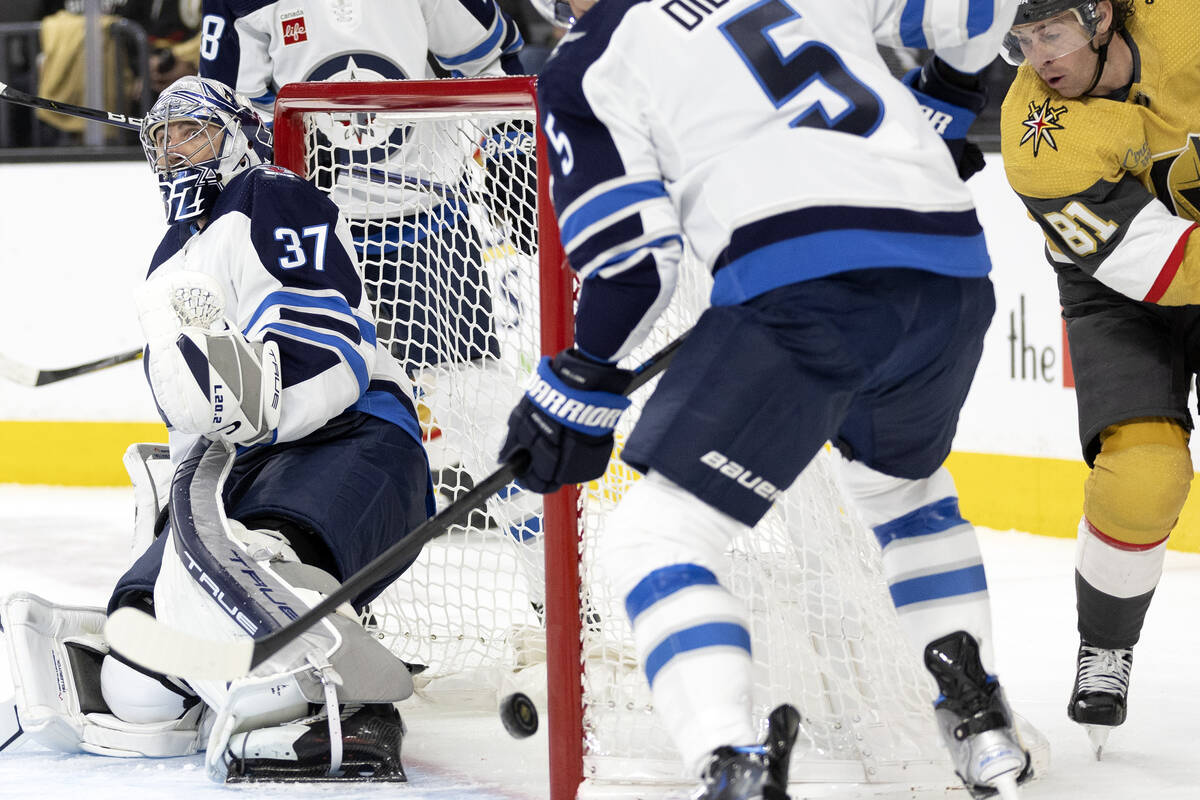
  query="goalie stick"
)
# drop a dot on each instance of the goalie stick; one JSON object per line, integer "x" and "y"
{"x": 33, "y": 101}
{"x": 144, "y": 640}
{"x": 26, "y": 375}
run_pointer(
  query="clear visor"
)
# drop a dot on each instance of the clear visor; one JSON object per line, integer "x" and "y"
{"x": 176, "y": 144}
{"x": 1047, "y": 39}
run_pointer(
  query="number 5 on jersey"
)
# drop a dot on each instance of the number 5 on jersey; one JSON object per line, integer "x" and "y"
{"x": 812, "y": 77}
{"x": 561, "y": 144}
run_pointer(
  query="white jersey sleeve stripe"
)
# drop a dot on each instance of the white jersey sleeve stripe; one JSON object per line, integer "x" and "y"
{"x": 350, "y": 356}
{"x": 964, "y": 33}
{"x": 933, "y": 23}
{"x": 605, "y": 207}
{"x": 665, "y": 249}
{"x": 495, "y": 34}
{"x": 1133, "y": 268}
{"x": 330, "y": 302}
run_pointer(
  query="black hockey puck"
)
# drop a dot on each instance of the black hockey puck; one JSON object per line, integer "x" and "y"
{"x": 519, "y": 715}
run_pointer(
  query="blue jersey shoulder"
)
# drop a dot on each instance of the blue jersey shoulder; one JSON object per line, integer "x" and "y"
{"x": 267, "y": 188}
{"x": 293, "y": 228}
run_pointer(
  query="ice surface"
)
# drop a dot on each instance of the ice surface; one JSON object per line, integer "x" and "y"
{"x": 70, "y": 544}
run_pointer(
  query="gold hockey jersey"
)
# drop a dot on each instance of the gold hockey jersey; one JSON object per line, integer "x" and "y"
{"x": 1115, "y": 186}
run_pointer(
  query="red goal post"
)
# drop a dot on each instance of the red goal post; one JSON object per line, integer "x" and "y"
{"x": 562, "y": 615}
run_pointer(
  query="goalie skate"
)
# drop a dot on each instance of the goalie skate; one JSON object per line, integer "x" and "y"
{"x": 758, "y": 772}
{"x": 975, "y": 720}
{"x": 1099, "y": 698}
{"x": 371, "y": 738}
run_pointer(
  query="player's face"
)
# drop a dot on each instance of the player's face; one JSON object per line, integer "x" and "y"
{"x": 1060, "y": 50}
{"x": 182, "y": 143}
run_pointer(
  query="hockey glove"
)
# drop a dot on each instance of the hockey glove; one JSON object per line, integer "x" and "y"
{"x": 218, "y": 384}
{"x": 951, "y": 100}
{"x": 565, "y": 421}
{"x": 207, "y": 378}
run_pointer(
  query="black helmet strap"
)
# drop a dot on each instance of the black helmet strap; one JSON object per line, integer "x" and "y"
{"x": 1101, "y": 57}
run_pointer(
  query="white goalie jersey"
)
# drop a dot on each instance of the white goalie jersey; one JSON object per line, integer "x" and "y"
{"x": 784, "y": 151}
{"x": 282, "y": 257}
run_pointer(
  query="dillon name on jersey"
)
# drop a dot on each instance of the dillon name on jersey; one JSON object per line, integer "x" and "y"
{"x": 283, "y": 257}
{"x": 1113, "y": 182}
{"x": 769, "y": 133}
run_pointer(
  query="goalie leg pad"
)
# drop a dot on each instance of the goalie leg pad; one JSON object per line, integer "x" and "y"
{"x": 149, "y": 467}
{"x": 55, "y": 653}
{"x": 931, "y": 556}
{"x": 371, "y": 739}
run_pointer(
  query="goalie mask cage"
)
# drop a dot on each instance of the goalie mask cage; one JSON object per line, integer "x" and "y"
{"x": 447, "y": 188}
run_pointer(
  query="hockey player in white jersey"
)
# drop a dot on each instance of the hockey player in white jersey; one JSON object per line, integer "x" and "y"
{"x": 850, "y": 302}
{"x": 259, "y": 335}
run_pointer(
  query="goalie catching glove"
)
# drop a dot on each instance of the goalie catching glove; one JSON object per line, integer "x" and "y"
{"x": 207, "y": 377}
{"x": 565, "y": 421}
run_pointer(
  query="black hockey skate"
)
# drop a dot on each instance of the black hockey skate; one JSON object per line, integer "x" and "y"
{"x": 757, "y": 772}
{"x": 975, "y": 720}
{"x": 1098, "y": 701}
{"x": 299, "y": 751}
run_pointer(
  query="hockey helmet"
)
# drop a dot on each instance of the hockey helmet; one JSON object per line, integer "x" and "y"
{"x": 197, "y": 137}
{"x": 1050, "y": 29}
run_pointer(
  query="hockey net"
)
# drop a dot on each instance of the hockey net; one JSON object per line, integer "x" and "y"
{"x": 445, "y": 182}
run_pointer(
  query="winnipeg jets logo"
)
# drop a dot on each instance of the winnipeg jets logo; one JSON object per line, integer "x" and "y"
{"x": 359, "y": 131}
{"x": 1041, "y": 125}
{"x": 182, "y": 195}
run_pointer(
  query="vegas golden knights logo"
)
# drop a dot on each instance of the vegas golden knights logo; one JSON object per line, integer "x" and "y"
{"x": 1183, "y": 180}
{"x": 1041, "y": 125}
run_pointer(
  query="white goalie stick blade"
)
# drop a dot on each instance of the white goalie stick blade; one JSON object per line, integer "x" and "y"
{"x": 144, "y": 640}
{"x": 27, "y": 375}
{"x": 18, "y": 373}
{"x": 11, "y": 733}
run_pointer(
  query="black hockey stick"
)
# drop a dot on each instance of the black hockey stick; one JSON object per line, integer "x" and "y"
{"x": 158, "y": 647}
{"x": 11, "y": 733}
{"x": 32, "y": 376}
{"x": 33, "y": 101}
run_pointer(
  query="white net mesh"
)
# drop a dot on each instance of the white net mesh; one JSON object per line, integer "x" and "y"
{"x": 443, "y": 204}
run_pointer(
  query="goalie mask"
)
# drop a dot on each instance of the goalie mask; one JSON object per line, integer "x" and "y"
{"x": 198, "y": 136}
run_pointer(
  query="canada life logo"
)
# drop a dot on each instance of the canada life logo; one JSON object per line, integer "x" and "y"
{"x": 294, "y": 30}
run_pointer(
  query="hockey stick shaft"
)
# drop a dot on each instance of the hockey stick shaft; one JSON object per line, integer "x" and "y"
{"x": 10, "y": 724}
{"x": 32, "y": 376}
{"x": 411, "y": 545}
{"x": 156, "y": 646}
{"x": 33, "y": 101}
